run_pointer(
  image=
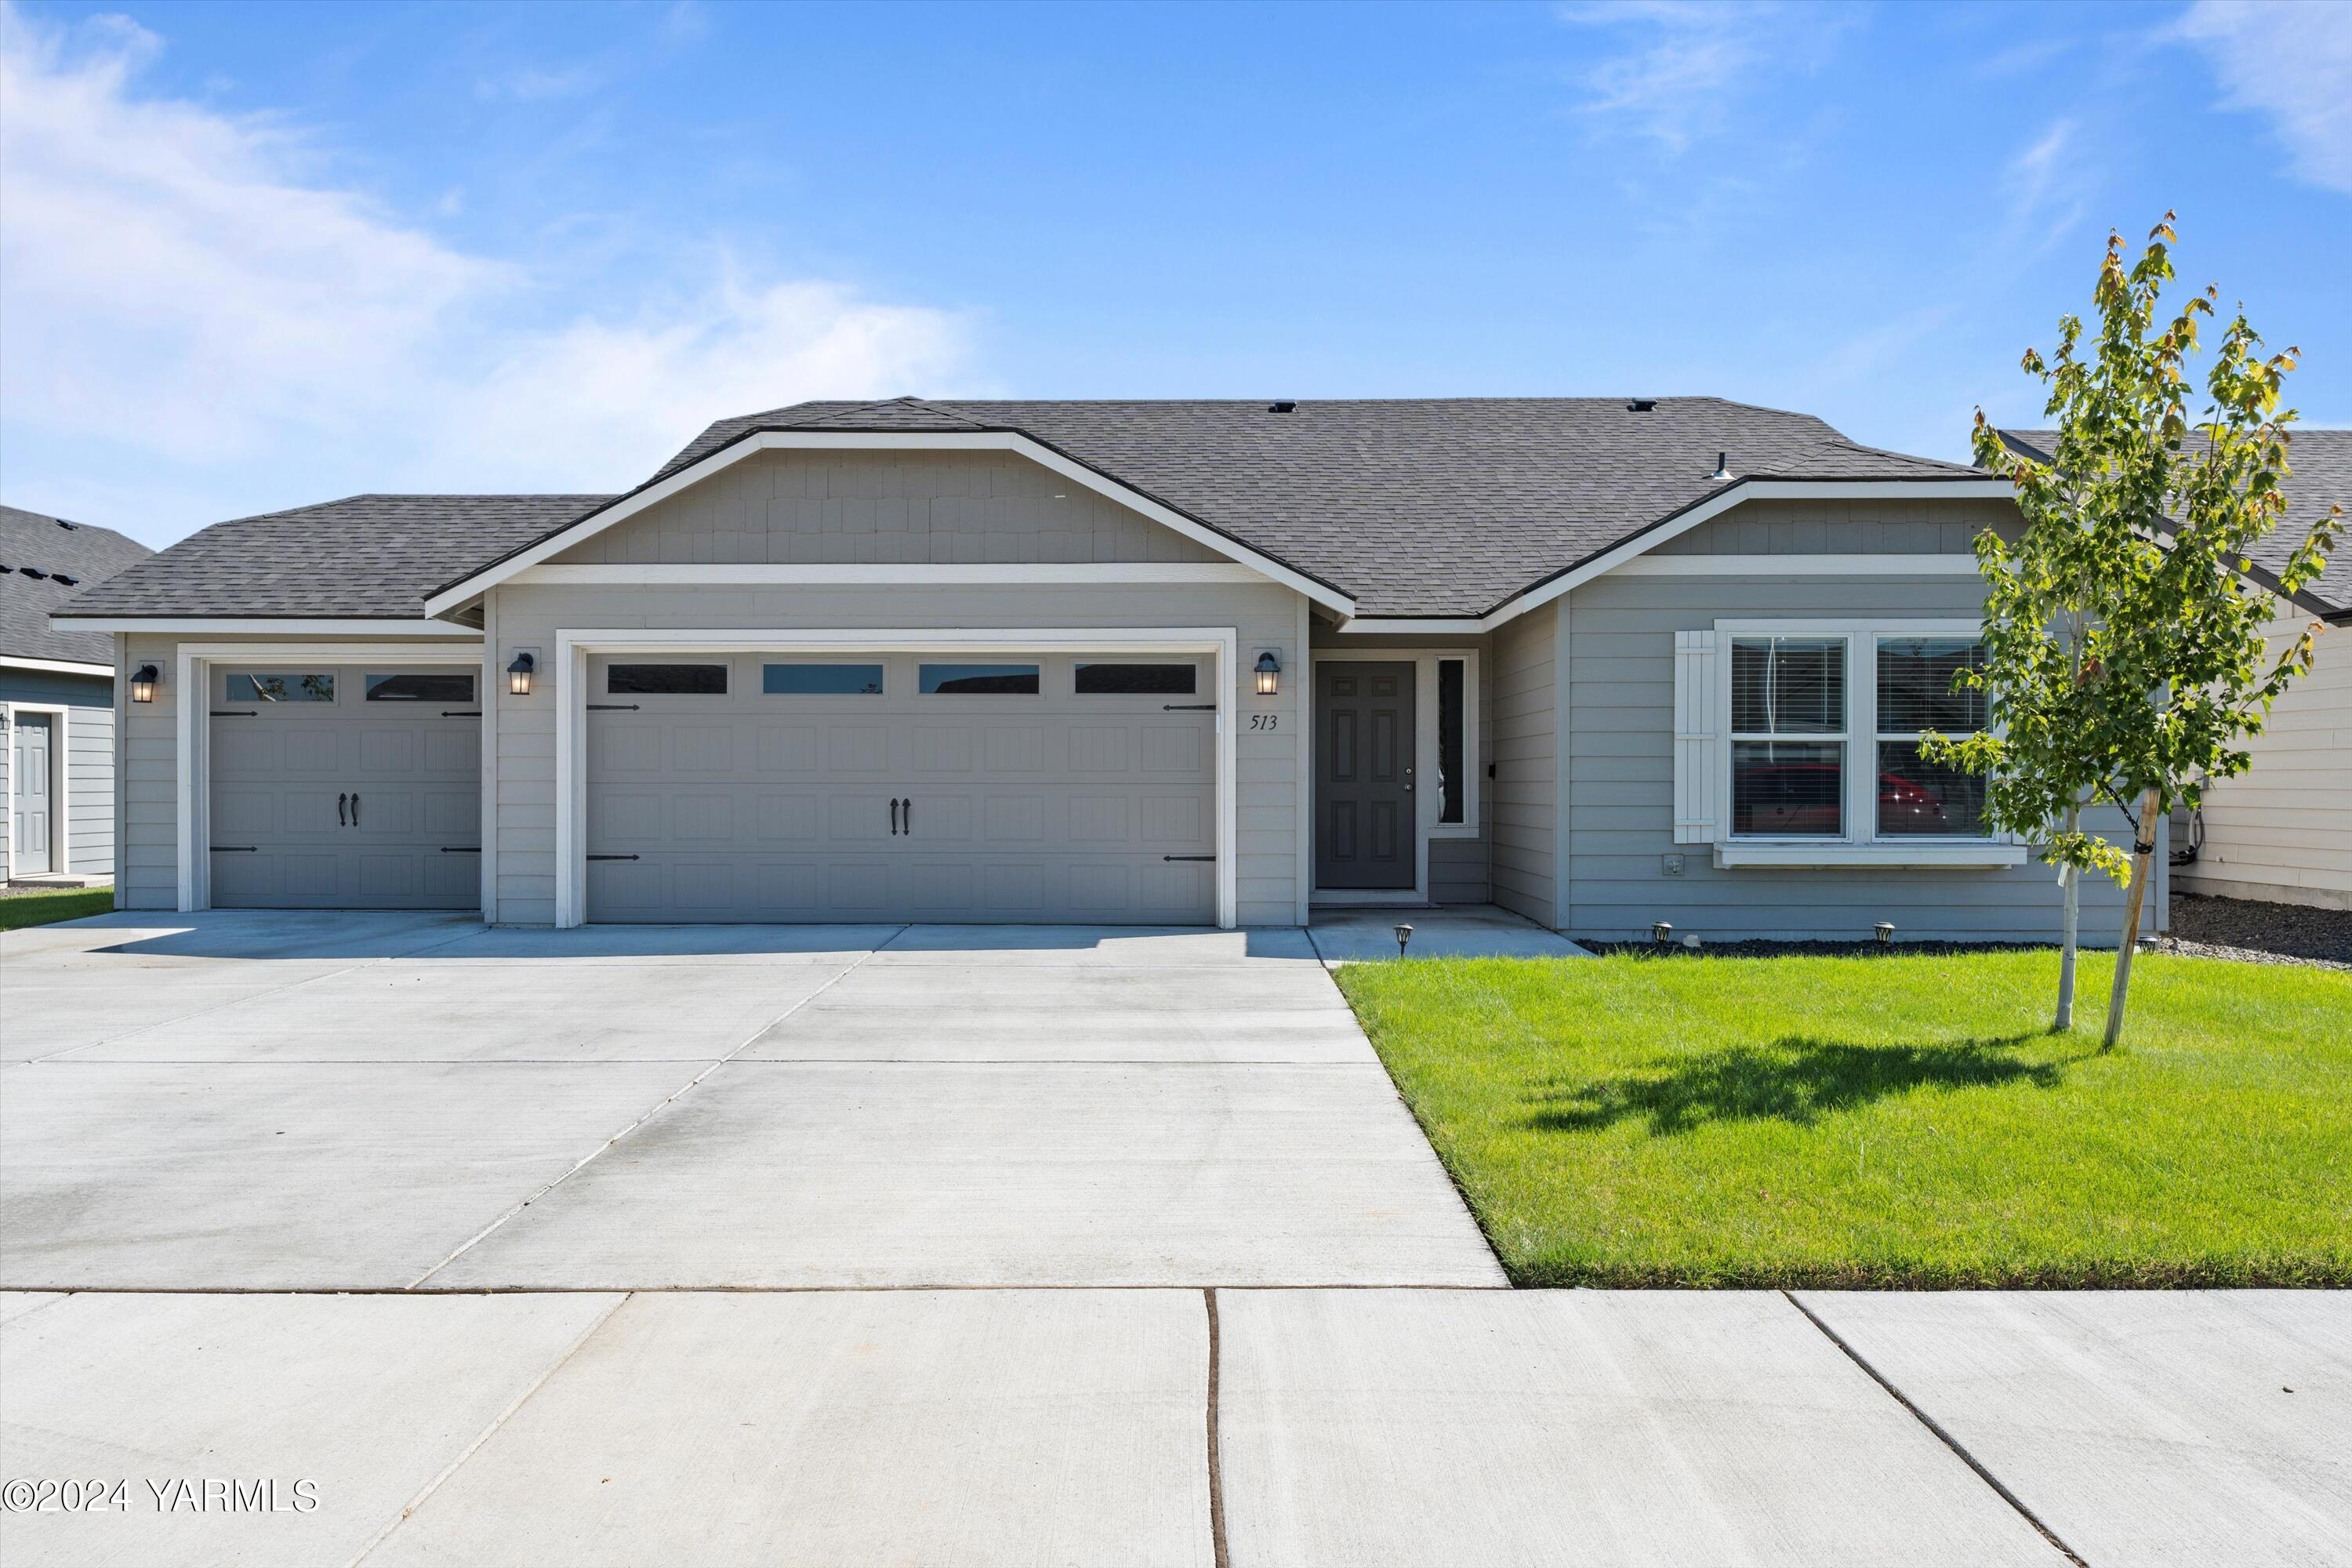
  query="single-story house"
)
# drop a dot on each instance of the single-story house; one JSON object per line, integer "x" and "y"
{"x": 57, "y": 699}
{"x": 2282, "y": 831}
{"x": 1605, "y": 662}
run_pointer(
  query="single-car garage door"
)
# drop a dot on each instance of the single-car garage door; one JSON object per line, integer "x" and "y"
{"x": 989, "y": 788}
{"x": 346, "y": 786}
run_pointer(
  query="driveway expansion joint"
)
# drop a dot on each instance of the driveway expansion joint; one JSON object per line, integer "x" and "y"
{"x": 1942, "y": 1436}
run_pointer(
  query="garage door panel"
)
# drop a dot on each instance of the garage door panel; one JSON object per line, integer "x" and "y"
{"x": 1027, "y": 808}
{"x": 342, "y": 802}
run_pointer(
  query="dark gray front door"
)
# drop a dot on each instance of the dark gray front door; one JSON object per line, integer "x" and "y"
{"x": 1363, "y": 775}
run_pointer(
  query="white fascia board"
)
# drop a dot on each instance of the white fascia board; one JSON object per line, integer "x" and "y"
{"x": 263, "y": 626}
{"x": 1800, "y": 567}
{"x": 55, "y": 666}
{"x": 913, "y": 575}
{"x": 1714, "y": 506}
{"x": 734, "y": 452}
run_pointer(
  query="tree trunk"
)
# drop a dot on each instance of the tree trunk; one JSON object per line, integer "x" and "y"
{"x": 2143, "y": 857}
{"x": 2071, "y": 879}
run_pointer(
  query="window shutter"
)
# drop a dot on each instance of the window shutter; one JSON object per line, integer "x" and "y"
{"x": 1698, "y": 758}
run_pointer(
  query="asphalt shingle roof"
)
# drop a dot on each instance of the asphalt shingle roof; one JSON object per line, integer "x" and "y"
{"x": 2319, "y": 476}
{"x": 365, "y": 556}
{"x": 66, "y": 557}
{"x": 1422, "y": 507}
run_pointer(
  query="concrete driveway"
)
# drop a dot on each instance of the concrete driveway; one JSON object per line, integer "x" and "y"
{"x": 391, "y": 1239}
{"x": 305, "y": 1103}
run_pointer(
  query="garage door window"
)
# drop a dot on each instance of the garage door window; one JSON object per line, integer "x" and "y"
{"x": 666, "y": 681}
{"x": 980, "y": 680}
{"x": 415, "y": 687}
{"x": 821, "y": 679}
{"x": 315, "y": 687}
{"x": 1137, "y": 680}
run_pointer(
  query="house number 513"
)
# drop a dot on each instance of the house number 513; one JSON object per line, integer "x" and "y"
{"x": 1265, "y": 720}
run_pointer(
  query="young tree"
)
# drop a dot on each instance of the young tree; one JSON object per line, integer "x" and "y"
{"x": 2125, "y": 655}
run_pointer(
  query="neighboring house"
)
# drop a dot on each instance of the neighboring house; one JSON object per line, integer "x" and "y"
{"x": 57, "y": 698}
{"x": 2282, "y": 830}
{"x": 1606, "y": 662}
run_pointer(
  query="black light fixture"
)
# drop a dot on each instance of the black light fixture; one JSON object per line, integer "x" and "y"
{"x": 1403, "y": 934}
{"x": 1884, "y": 932}
{"x": 1269, "y": 674}
{"x": 142, "y": 683}
{"x": 1662, "y": 931}
{"x": 519, "y": 674}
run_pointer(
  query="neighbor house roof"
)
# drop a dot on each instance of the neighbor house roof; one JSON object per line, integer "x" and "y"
{"x": 44, "y": 562}
{"x": 1435, "y": 507}
{"x": 2320, "y": 476}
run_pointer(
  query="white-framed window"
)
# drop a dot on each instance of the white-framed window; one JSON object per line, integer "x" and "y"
{"x": 1797, "y": 742}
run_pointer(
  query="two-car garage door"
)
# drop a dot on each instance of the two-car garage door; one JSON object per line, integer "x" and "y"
{"x": 983, "y": 788}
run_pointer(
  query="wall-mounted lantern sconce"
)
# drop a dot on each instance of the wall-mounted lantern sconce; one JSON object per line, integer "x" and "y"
{"x": 142, "y": 683}
{"x": 519, "y": 674}
{"x": 1269, "y": 674}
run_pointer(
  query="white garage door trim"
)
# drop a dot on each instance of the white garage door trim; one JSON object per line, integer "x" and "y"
{"x": 573, "y": 646}
{"x": 192, "y": 679}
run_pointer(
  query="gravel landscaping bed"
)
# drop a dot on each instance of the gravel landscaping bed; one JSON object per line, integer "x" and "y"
{"x": 2258, "y": 933}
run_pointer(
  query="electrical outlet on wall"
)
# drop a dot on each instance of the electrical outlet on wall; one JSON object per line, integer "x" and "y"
{"x": 1670, "y": 864}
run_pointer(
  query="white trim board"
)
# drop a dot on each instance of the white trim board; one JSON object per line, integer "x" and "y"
{"x": 262, "y": 625}
{"x": 574, "y": 645}
{"x": 1012, "y": 441}
{"x": 912, "y": 574}
{"x": 1714, "y": 506}
{"x": 56, "y": 666}
{"x": 192, "y": 789}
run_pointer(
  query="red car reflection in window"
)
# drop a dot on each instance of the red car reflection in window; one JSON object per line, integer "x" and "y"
{"x": 1801, "y": 798}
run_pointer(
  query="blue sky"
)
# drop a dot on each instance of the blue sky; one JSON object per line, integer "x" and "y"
{"x": 252, "y": 257}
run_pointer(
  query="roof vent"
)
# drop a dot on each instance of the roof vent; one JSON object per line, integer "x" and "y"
{"x": 61, "y": 577}
{"x": 61, "y": 523}
{"x": 1640, "y": 404}
{"x": 1284, "y": 405}
{"x": 32, "y": 571}
{"x": 1722, "y": 468}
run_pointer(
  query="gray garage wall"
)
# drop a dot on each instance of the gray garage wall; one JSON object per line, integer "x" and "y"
{"x": 1266, "y": 616}
{"x": 1620, "y": 785}
{"x": 906, "y": 506}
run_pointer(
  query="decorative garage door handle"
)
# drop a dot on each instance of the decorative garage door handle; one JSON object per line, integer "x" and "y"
{"x": 338, "y": 810}
{"x": 468, "y": 849}
{"x": 894, "y": 816}
{"x": 909, "y": 805}
{"x": 612, "y": 856}
{"x": 355, "y": 809}
{"x": 1187, "y": 856}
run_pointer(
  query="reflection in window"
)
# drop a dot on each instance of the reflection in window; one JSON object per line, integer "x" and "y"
{"x": 1787, "y": 787}
{"x": 1917, "y": 798}
{"x": 1136, "y": 681}
{"x": 1450, "y": 719}
{"x": 978, "y": 679}
{"x": 1788, "y": 685}
{"x": 821, "y": 679}
{"x": 666, "y": 681}
{"x": 315, "y": 686}
{"x": 412, "y": 686}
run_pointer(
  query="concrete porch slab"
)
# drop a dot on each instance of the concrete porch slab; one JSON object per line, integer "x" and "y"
{"x": 2141, "y": 1426}
{"x": 773, "y": 1173}
{"x": 971, "y": 1428}
{"x": 369, "y": 1398}
{"x": 1429, "y": 1427}
{"x": 1454, "y": 930}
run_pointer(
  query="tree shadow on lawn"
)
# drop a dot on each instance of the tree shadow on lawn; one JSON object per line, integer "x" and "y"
{"x": 1797, "y": 1078}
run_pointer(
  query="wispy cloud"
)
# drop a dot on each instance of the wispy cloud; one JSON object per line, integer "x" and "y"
{"x": 540, "y": 84}
{"x": 1687, "y": 63}
{"x": 2291, "y": 63}
{"x": 192, "y": 300}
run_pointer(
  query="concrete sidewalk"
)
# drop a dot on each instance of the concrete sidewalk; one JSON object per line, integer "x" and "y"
{"x": 1422, "y": 1427}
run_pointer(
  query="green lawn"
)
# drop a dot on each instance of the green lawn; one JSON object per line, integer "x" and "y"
{"x": 1878, "y": 1122}
{"x": 20, "y": 909}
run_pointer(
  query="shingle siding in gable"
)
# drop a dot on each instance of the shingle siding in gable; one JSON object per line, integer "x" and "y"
{"x": 899, "y": 508}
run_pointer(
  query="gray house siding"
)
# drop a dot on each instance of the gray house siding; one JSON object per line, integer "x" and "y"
{"x": 89, "y": 807}
{"x": 1845, "y": 528}
{"x": 1621, "y": 785}
{"x": 901, "y": 508}
{"x": 1524, "y": 790}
